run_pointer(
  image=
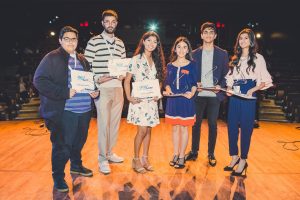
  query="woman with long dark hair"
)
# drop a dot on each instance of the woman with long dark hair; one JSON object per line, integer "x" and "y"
{"x": 248, "y": 74}
{"x": 180, "y": 110}
{"x": 147, "y": 64}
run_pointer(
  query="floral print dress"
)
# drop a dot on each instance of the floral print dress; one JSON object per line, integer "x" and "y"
{"x": 144, "y": 113}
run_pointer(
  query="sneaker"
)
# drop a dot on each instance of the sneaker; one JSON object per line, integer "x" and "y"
{"x": 191, "y": 156}
{"x": 82, "y": 171}
{"x": 104, "y": 167}
{"x": 114, "y": 158}
{"x": 212, "y": 160}
{"x": 61, "y": 185}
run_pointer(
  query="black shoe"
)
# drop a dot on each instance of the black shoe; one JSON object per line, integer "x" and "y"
{"x": 227, "y": 168}
{"x": 61, "y": 185}
{"x": 233, "y": 173}
{"x": 255, "y": 125}
{"x": 212, "y": 160}
{"x": 191, "y": 156}
{"x": 180, "y": 164}
{"x": 174, "y": 161}
{"x": 82, "y": 171}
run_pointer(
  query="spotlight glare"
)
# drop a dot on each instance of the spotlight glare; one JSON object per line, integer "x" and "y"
{"x": 258, "y": 35}
{"x": 52, "y": 33}
{"x": 153, "y": 27}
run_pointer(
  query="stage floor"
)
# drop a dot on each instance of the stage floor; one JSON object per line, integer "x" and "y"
{"x": 273, "y": 172}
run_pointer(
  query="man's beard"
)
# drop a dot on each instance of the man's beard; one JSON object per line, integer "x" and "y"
{"x": 110, "y": 31}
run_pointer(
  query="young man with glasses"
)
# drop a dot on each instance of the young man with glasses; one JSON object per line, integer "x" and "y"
{"x": 212, "y": 63}
{"x": 67, "y": 112}
{"x": 100, "y": 49}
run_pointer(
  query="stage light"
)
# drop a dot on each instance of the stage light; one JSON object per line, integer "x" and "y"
{"x": 153, "y": 27}
{"x": 258, "y": 35}
{"x": 52, "y": 33}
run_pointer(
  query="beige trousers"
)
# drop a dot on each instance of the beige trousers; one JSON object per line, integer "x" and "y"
{"x": 109, "y": 110}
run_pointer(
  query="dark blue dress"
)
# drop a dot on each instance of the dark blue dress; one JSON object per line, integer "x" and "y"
{"x": 181, "y": 110}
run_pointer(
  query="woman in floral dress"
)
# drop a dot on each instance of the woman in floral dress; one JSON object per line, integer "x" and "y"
{"x": 147, "y": 64}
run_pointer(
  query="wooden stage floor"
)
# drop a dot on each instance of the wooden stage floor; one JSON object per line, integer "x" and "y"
{"x": 273, "y": 172}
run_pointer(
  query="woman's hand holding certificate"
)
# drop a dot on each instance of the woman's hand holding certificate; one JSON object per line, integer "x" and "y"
{"x": 134, "y": 100}
{"x": 146, "y": 89}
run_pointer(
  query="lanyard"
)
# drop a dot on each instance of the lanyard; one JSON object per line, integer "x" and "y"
{"x": 108, "y": 47}
{"x": 75, "y": 60}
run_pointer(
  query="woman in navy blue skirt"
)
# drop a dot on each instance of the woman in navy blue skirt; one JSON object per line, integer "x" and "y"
{"x": 180, "y": 111}
{"x": 248, "y": 74}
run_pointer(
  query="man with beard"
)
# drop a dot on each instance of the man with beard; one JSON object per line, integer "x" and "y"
{"x": 100, "y": 49}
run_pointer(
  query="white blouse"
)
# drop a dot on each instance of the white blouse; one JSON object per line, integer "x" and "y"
{"x": 260, "y": 74}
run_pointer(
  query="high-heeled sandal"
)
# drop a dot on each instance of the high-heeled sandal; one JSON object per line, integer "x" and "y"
{"x": 140, "y": 169}
{"x": 227, "y": 168}
{"x": 234, "y": 173}
{"x": 180, "y": 164}
{"x": 145, "y": 163}
{"x": 174, "y": 161}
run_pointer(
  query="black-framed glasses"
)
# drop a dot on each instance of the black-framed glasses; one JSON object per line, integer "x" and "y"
{"x": 67, "y": 39}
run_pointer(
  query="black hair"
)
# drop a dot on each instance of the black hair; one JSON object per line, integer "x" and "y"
{"x": 174, "y": 55}
{"x": 157, "y": 54}
{"x": 235, "y": 60}
{"x": 208, "y": 25}
{"x": 67, "y": 29}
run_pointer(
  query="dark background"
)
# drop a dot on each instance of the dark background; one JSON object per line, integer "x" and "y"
{"x": 25, "y": 27}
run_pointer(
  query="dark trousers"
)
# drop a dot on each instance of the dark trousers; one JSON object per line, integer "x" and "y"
{"x": 212, "y": 105}
{"x": 68, "y": 137}
{"x": 241, "y": 113}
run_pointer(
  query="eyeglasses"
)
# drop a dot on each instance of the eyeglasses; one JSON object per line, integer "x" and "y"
{"x": 67, "y": 39}
{"x": 110, "y": 22}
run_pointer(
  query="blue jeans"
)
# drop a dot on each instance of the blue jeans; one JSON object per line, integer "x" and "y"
{"x": 68, "y": 137}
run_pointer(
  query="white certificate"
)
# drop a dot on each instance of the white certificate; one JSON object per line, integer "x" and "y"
{"x": 118, "y": 67}
{"x": 146, "y": 89}
{"x": 82, "y": 82}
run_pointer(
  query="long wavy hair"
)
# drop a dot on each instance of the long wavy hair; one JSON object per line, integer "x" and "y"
{"x": 157, "y": 54}
{"x": 174, "y": 55}
{"x": 235, "y": 60}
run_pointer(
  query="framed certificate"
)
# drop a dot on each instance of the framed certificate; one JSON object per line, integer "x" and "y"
{"x": 82, "y": 82}
{"x": 118, "y": 67}
{"x": 146, "y": 89}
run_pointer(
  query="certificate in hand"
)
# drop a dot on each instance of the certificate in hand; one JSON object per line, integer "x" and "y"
{"x": 82, "y": 82}
{"x": 146, "y": 89}
{"x": 118, "y": 67}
